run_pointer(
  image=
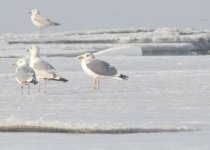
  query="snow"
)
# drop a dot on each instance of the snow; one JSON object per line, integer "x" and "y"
{"x": 163, "y": 92}
{"x": 164, "y": 104}
{"x": 172, "y": 141}
{"x": 152, "y": 41}
{"x": 125, "y": 50}
{"x": 167, "y": 35}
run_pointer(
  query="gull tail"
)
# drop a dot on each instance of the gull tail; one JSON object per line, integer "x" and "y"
{"x": 63, "y": 79}
{"x": 55, "y": 24}
{"x": 34, "y": 82}
{"x": 60, "y": 79}
{"x": 122, "y": 77}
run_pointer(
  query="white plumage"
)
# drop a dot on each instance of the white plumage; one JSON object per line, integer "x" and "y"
{"x": 41, "y": 21}
{"x": 98, "y": 69}
{"x": 24, "y": 74}
{"x": 43, "y": 70}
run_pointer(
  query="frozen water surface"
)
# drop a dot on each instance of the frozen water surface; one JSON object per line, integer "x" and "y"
{"x": 164, "y": 104}
{"x": 158, "y": 141}
{"x": 160, "y": 41}
{"x": 163, "y": 94}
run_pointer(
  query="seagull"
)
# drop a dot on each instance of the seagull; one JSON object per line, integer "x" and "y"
{"x": 44, "y": 70}
{"x": 25, "y": 75}
{"x": 98, "y": 69}
{"x": 41, "y": 21}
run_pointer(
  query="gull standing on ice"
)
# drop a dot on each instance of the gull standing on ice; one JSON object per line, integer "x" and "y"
{"x": 44, "y": 71}
{"x": 25, "y": 75}
{"x": 41, "y": 21}
{"x": 98, "y": 69}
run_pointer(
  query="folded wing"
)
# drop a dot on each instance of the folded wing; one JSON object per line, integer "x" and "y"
{"x": 101, "y": 68}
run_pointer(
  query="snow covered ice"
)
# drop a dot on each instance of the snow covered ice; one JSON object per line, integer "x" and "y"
{"x": 161, "y": 41}
{"x": 165, "y": 100}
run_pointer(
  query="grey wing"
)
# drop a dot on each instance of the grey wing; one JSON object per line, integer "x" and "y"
{"x": 43, "y": 65}
{"x": 25, "y": 74}
{"x": 44, "y": 70}
{"x": 31, "y": 72}
{"x": 43, "y": 20}
{"x": 101, "y": 67}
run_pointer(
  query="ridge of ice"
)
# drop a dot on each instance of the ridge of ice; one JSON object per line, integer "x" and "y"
{"x": 124, "y": 50}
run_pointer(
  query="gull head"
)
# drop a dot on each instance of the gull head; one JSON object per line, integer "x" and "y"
{"x": 34, "y": 51}
{"x": 86, "y": 56}
{"x": 21, "y": 62}
{"x": 34, "y": 12}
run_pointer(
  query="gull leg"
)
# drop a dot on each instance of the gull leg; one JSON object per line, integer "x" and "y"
{"x": 22, "y": 89}
{"x": 28, "y": 90}
{"x": 94, "y": 86}
{"x": 39, "y": 89}
{"x": 45, "y": 83}
{"x": 98, "y": 83}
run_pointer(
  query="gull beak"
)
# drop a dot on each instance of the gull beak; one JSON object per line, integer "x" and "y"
{"x": 14, "y": 64}
{"x": 29, "y": 12}
{"x": 80, "y": 57}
